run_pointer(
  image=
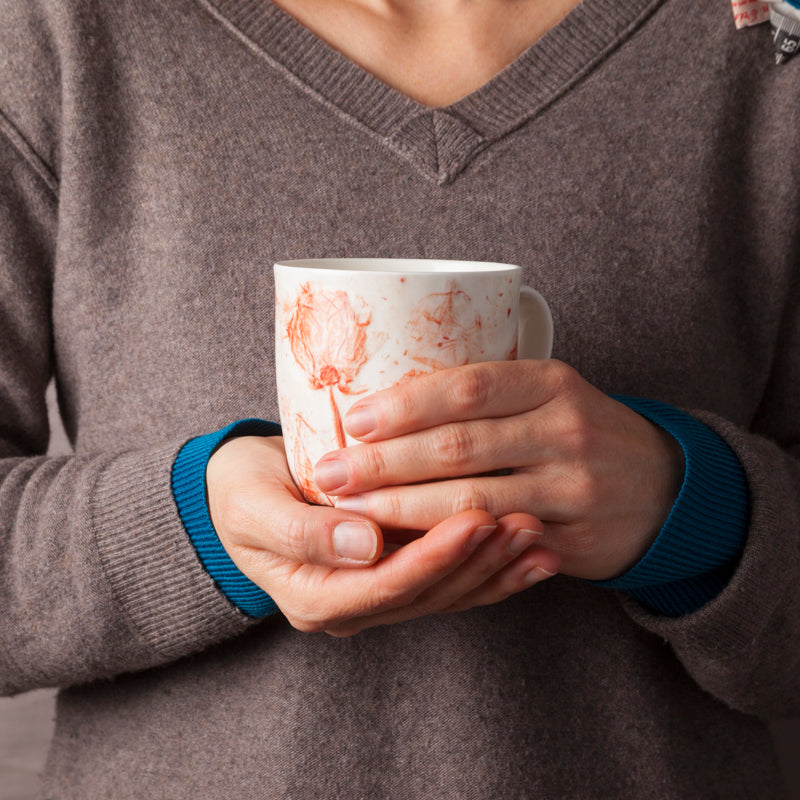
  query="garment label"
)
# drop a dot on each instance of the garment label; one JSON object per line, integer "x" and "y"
{"x": 785, "y": 36}
{"x": 749, "y": 12}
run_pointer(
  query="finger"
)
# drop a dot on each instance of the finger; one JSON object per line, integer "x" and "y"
{"x": 315, "y": 598}
{"x": 506, "y": 563}
{"x": 420, "y": 506}
{"x": 490, "y": 389}
{"x": 446, "y": 451}
{"x": 515, "y": 534}
{"x": 309, "y": 534}
{"x": 547, "y": 499}
{"x": 514, "y": 579}
{"x": 521, "y": 574}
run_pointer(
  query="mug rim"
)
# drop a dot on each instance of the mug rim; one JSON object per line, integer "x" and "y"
{"x": 398, "y": 266}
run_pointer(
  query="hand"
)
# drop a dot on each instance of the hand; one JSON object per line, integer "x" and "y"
{"x": 600, "y": 477}
{"x": 323, "y": 566}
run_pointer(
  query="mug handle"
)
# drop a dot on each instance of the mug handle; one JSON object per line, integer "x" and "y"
{"x": 535, "y": 332}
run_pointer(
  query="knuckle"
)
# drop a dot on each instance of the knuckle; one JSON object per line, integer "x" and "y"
{"x": 391, "y": 506}
{"x": 472, "y": 389}
{"x": 374, "y": 463}
{"x": 576, "y": 488}
{"x": 577, "y": 433}
{"x": 565, "y": 383}
{"x": 562, "y": 376}
{"x": 295, "y": 540}
{"x": 454, "y": 447}
{"x": 468, "y": 496}
{"x": 404, "y": 406}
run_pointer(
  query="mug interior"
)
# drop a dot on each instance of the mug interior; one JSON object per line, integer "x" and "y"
{"x": 398, "y": 265}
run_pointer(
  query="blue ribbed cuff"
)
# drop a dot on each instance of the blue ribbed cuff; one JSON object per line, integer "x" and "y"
{"x": 696, "y": 552}
{"x": 189, "y": 490}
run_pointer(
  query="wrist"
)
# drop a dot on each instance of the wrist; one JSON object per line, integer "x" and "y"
{"x": 191, "y": 498}
{"x": 698, "y": 546}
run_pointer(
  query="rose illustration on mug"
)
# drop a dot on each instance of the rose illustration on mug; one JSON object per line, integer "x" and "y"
{"x": 328, "y": 340}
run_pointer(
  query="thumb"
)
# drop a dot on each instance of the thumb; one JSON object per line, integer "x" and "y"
{"x": 306, "y": 534}
{"x": 256, "y": 509}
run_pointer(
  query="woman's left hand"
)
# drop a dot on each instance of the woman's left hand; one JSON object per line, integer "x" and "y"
{"x": 505, "y": 437}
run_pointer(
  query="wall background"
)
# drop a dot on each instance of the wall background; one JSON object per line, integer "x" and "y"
{"x": 26, "y": 721}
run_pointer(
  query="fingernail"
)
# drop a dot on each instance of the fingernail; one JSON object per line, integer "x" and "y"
{"x": 352, "y": 502}
{"x": 536, "y": 575}
{"x": 355, "y": 541}
{"x": 330, "y": 475}
{"x": 359, "y": 421}
{"x": 481, "y": 535}
{"x": 522, "y": 540}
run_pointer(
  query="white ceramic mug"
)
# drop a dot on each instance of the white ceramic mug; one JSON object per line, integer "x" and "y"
{"x": 347, "y": 327}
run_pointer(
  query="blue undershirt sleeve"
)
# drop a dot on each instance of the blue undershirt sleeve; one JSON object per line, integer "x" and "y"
{"x": 690, "y": 562}
{"x": 189, "y": 490}
{"x": 696, "y": 552}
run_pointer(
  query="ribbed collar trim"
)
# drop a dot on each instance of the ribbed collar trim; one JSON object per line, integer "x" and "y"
{"x": 440, "y": 142}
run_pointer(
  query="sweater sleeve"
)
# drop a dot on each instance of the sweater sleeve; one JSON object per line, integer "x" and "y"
{"x": 97, "y": 576}
{"x": 696, "y": 551}
{"x": 743, "y": 644}
{"x": 189, "y": 488}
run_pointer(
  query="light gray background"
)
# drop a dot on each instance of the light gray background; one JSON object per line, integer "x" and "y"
{"x": 26, "y": 721}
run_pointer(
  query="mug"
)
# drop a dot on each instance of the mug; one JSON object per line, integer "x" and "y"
{"x": 347, "y": 327}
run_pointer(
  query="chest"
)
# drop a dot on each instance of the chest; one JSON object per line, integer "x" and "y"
{"x": 434, "y": 53}
{"x": 617, "y": 205}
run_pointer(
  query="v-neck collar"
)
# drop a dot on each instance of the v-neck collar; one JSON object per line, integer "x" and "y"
{"x": 439, "y": 142}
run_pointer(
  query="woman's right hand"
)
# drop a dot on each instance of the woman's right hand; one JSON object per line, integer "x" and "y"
{"x": 325, "y": 567}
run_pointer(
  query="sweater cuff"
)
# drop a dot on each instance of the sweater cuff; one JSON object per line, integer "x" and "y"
{"x": 695, "y": 554}
{"x": 189, "y": 491}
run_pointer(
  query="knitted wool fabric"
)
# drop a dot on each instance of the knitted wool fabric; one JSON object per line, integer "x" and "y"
{"x": 155, "y": 159}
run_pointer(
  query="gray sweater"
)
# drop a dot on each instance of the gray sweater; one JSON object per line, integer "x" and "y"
{"x": 639, "y": 162}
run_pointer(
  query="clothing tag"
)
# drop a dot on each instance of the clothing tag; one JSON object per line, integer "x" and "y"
{"x": 785, "y": 35}
{"x": 784, "y": 19}
{"x": 749, "y": 12}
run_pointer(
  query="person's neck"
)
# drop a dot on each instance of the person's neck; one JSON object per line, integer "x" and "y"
{"x": 434, "y": 51}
